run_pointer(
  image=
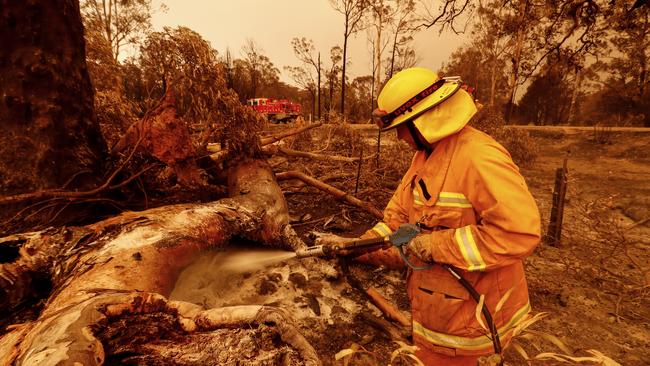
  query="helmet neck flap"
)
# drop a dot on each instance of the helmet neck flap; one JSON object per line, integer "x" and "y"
{"x": 420, "y": 142}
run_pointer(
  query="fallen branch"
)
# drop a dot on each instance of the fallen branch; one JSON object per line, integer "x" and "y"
{"x": 248, "y": 314}
{"x": 59, "y": 193}
{"x": 638, "y": 223}
{"x": 218, "y": 154}
{"x": 274, "y": 149}
{"x": 74, "y": 176}
{"x": 310, "y": 221}
{"x": 275, "y": 138}
{"x": 215, "y": 148}
{"x": 339, "y": 194}
{"x": 51, "y": 199}
{"x": 393, "y": 332}
{"x": 386, "y": 307}
{"x": 88, "y": 318}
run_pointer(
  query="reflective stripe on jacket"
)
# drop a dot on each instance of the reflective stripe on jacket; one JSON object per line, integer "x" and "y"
{"x": 483, "y": 220}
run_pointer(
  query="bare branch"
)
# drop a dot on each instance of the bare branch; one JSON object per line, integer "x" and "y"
{"x": 447, "y": 16}
{"x": 271, "y": 139}
{"x": 339, "y": 194}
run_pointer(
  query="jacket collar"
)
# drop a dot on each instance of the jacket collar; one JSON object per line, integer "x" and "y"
{"x": 433, "y": 169}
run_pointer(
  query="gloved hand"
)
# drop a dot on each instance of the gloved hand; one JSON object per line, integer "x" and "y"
{"x": 420, "y": 246}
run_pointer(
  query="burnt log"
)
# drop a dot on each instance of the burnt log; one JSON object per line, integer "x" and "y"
{"x": 100, "y": 266}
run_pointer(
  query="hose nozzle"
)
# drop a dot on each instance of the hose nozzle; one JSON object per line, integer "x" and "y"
{"x": 316, "y": 251}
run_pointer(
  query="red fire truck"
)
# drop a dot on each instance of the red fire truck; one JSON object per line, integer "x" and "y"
{"x": 276, "y": 110}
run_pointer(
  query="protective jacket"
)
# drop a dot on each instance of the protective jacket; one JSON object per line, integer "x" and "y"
{"x": 482, "y": 220}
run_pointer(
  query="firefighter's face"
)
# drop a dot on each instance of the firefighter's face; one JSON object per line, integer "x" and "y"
{"x": 404, "y": 134}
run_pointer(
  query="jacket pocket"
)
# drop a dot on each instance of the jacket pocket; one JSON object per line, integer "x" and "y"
{"x": 439, "y": 312}
{"x": 438, "y": 301}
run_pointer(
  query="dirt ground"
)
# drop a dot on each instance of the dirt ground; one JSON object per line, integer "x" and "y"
{"x": 596, "y": 285}
{"x": 593, "y": 287}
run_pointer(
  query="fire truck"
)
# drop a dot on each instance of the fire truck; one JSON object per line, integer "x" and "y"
{"x": 276, "y": 110}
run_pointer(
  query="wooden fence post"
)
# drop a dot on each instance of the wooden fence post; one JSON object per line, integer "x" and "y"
{"x": 378, "y": 148}
{"x": 554, "y": 232}
{"x": 356, "y": 186}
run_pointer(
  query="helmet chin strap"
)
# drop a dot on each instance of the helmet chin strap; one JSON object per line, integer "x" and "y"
{"x": 420, "y": 142}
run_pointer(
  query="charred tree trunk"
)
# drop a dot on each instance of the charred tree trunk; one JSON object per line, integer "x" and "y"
{"x": 345, "y": 55}
{"x": 378, "y": 52}
{"x": 318, "y": 86}
{"x": 46, "y": 111}
{"x": 493, "y": 81}
{"x": 392, "y": 56}
{"x": 331, "y": 99}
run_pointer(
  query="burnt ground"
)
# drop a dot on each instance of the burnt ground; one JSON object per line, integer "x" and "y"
{"x": 594, "y": 287}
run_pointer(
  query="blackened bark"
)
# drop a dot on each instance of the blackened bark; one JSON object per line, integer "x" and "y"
{"x": 46, "y": 98}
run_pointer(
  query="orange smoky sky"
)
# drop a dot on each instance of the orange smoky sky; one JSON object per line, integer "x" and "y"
{"x": 273, "y": 24}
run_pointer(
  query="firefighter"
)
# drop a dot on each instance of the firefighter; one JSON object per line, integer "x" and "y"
{"x": 476, "y": 213}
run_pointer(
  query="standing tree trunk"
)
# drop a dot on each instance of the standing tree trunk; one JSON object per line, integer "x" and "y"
{"x": 574, "y": 96}
{"x": 313, "y": 103}
{"x": 378, "y": 61}
{"x": 331, "y": 99}
{"x": 353, "y": 11}
{"x": 392, "y": 56}
{"x": 516, "y": 59}
{"x": 47, "y": 116}
{"x": 493, "y": 81}
{"x": 372, "y": 84}
{"x": 345, "y": 53}
{"x": 319, "y": 86}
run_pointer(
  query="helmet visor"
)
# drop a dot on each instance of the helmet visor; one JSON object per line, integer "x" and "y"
{"x": 388, "y": 118}
{"x": 427, "y": 99}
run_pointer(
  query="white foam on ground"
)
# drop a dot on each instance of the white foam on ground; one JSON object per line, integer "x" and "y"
{"x": 236, "y": 276}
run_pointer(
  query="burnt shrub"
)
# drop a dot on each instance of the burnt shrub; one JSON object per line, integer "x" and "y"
{"x": 522, "y": 147}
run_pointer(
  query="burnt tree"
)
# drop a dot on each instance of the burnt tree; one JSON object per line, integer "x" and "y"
{"x": 46, "y": 107}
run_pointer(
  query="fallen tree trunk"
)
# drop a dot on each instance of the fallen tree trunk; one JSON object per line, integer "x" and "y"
{"x": 275, "y": 138}
{"x": 216, "y": 149}
{"x": 138, "y": 251}
{"x": 274, "y": 149}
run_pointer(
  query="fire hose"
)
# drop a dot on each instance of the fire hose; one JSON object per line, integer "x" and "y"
{"x": 399, "y": 239}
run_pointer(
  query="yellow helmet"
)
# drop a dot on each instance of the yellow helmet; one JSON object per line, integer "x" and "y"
{"x": 417, "y": 94}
